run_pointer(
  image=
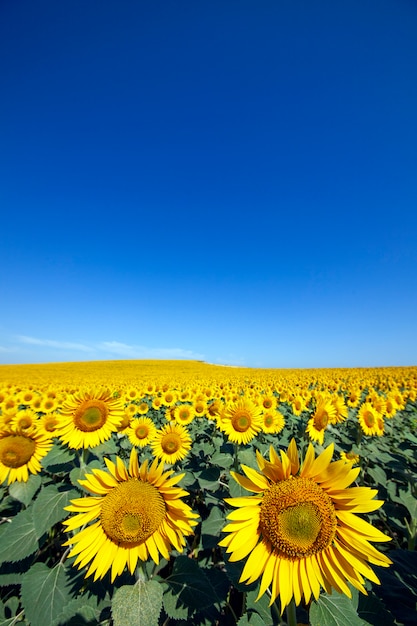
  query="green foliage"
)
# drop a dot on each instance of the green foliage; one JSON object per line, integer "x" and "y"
{"x": 139, "y": 604}
{"x": 336, "y": 610}
{"x": 39, "y": 586}
{"x": 45, "y": 593}
{"x": 18, "y": 538}
{"x": 24, "y": 492}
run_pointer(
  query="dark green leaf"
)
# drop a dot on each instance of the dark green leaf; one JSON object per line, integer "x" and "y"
{"x": 24, "y": 492}
{"x": 211, "y": 527}
{"x": 252, "y": 619}
{"x": 60, "y": 460}
{"x": 222, "y": 459}
{"x": 190, "y": 584}
{"x": 335, "y": 610}
{"x": 44, "y": 594}
{"x": 261, "y": 607}
{"x": 138, "y": 604}
{"x": 372, "y": 609}
{"x": 209, "y": 478}
{"x": 48, "y": 508}
{"x": 18, "y": 538}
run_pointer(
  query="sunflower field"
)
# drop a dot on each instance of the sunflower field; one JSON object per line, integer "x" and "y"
{"x": 146, "y": 493}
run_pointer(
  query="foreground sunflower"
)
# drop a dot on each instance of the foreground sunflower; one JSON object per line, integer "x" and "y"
{"x": 21, "y": 453}
{"x": 138, "y": 513}
{"x": 300, "y": 532}
{"x": 89, "y": 417}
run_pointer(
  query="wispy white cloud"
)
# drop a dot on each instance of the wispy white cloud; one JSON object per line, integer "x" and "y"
{"x": 51, "y": 343}
{"x": 106, "y": 349}
{"x": 3, "y": 349}
{"x": 144, "y": 352}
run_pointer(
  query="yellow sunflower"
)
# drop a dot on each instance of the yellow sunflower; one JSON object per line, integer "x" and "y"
{"x": 171, "y": 443}
{"x": 241, "y": 421}
{"x": 21, "y": 453}
{"x": 324, "y": 414}
{"x": 141, "y": 431}
{"x": 24, "y": 421}
{"x": 136, "y": 513}
{"x": 350, "y": 457}
{"x": 48, "y": 424}
{"x": 368, "y": 419}
{"x": 273, "y": 421}
{"x": 300, "y": 531}
{"x": 90, "y": 417}
{"x": 184, "y": 413}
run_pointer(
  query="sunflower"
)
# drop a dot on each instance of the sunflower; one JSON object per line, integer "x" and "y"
{"x": 48, "y": 424}
{"x": 90, "y": 417}
{"x": 324, "y": 414}
{"x": 350, "y": 457}
{"x": 171, "y": 443}
{"x": 141, "y": 431}
{"x": 184, "y": 413}
{"x": 269, "y": 402}
{"x": 298, "y": 404}
{"x": 300, "y": 531}
{"x": 368, "y": 419}
{"x": 21, "y": 453}
{"x": 137, "y": 513}
{"x": 241, "y": 421}
{"x": 200, "y": 407}
{"x": 24, "y": 421}
{"x": 273, "y": 422}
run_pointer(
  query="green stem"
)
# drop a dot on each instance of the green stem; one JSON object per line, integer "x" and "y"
{"x": 140, "y": 573}
{"x": 291, "y": 613}
{"x": 236, "y": 460}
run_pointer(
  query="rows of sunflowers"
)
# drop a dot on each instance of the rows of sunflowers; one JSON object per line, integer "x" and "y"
{"x": 174, "y": 492}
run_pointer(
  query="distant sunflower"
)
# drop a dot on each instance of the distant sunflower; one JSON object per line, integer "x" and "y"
{"x": 298, "y": 404}
{"x": 241, "y": 421}
{"x": 137, "y": 513}
{"x": 49, "y": 424}
{"x": 141, "y": 431}
{"x": 273, "y": 421}
{"x": 171, "y": 443}
{"x": 368, "y": 419}
{"x": 269, "y": 402}
{"x": 300, "y": 531}
{"x": 89, "y": 417}
{"x": 324, "y": 414}
{"x": 21, "y": 453}
{"x": 184, "y": 413}
{"x": 350, "y": 457}
{"x": 24, "y": 421}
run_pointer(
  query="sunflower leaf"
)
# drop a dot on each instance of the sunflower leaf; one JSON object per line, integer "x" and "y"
{"x": 18, "y": 539}
{"x": 44, "y": 594}
{"x": 24, "y": 491}
{"x": 335, "y": 610}
{"x": 48, "y": 508}
{"x": 138, "y": 604}
{"x": 260, "y": 608}
{"x": 189, "y": 584}
{"x": 59, "y": 460}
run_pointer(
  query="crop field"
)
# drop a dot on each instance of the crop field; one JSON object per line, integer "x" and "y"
{"x": 178, "y": 492}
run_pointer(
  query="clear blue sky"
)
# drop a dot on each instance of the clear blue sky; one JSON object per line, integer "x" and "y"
{"x": 227, "y": 180}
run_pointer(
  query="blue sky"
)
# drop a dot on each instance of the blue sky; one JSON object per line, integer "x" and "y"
{"x": 232, "y": 181}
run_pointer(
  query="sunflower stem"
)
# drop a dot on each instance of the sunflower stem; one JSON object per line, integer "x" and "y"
{"x": 291, "y": 613}
{"x": 140, "y": 573}
{"x": 84, "y": 457}
{"x": 236, "y": 459}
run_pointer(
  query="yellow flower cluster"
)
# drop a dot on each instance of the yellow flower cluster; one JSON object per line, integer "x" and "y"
{"x": 298, "y": 531}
